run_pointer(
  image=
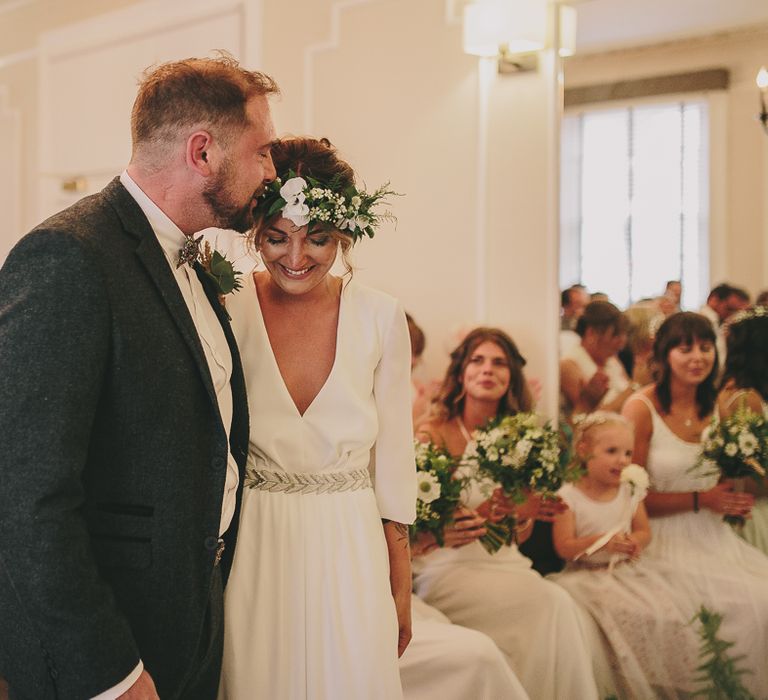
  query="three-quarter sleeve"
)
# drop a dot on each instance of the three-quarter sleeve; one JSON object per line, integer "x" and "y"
{"x": 395, "y": 467}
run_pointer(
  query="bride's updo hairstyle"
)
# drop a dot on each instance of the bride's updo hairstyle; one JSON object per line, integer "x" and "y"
{"x": 683, "y": 328}
{"x": 308, "y": 157}
{"x": 450, "y": 399}
{"x": 746, "y": 362}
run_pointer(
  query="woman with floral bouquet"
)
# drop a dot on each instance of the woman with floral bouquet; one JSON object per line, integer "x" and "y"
{"x": 533, "y": 621}
{"x": 745, "y": 386}
{"x": 698, "y": 552}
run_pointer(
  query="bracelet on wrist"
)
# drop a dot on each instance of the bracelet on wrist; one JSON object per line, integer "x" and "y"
{"x": 695, "y": 501}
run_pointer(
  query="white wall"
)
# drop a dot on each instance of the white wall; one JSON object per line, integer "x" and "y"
{"x": 386, "y": 81}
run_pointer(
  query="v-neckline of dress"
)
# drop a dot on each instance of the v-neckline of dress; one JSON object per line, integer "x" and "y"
{"x": 276, "y": 365}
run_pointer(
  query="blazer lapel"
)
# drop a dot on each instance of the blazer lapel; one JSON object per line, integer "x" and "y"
{"x": 239, "y": 429}
{"x": 152, "y": 257}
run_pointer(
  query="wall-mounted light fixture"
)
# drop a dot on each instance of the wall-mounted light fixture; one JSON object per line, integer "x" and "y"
{"x": 513, "y": 31}
{"x": 762, "y": 83}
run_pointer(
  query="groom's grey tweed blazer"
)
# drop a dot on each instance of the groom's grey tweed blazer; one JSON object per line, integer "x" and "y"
{"x": 112, "y": 457}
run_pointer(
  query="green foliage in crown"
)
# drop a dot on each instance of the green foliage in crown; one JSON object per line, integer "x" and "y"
{"x": 307, "y": 201}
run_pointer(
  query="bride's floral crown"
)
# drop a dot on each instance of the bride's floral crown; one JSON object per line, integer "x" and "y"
{"x": 305, "y": 200}
{"x": 747, "y": 314}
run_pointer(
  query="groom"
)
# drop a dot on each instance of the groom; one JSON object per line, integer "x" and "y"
{"x": 123, "y": 415}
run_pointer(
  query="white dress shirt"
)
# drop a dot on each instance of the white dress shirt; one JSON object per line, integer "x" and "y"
{"x": 217, "y": 355}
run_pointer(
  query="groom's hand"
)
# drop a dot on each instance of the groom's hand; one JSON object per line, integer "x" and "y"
{"x": 142, "y": 689}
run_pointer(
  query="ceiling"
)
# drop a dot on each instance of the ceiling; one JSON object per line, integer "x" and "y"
{"x": 610, "y": 24}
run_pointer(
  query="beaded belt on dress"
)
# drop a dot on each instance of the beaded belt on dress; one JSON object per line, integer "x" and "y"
{"x": 307, "y": 482}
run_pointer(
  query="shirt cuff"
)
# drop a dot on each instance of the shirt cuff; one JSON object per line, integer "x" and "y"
{"x": 117, "y": 690}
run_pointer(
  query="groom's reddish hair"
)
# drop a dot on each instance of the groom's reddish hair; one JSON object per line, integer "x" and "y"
{"x": 211, "y": 93}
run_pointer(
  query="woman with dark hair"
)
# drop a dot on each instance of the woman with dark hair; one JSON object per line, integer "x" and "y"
{"x": 691, "y": 544}
{"x": 745, "y": 383}
{"x": 318, "y": 603}
{"x": 534, "y": 622}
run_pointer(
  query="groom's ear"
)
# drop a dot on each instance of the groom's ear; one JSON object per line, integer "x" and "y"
{"x": 198, "y": 148}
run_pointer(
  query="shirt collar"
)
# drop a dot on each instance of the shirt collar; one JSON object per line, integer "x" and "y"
{"x": 169, "y": 235}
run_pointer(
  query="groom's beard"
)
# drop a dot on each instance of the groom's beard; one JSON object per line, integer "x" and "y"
{"x": 226, "y": 213}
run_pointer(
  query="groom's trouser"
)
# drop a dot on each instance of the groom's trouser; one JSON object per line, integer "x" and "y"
{"x": 203, "y": 683}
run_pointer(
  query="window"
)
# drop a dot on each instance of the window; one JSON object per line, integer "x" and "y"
{"x": 634, "y": 200}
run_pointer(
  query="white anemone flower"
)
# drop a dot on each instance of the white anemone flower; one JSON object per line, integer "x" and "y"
{"x": 523, "y": 448}
{"x": 731, "y": 449}
{"x": 293, "y": 190}
{"x": 747, "y": 443}
{"x": 428, "y": 487}
{"x": 297, "y": 213}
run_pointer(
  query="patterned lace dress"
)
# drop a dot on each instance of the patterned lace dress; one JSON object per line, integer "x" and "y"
{"x": 650, "y": 646}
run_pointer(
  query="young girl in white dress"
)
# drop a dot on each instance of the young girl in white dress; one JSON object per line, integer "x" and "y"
{"x": 710, "y": 563}
{"x": 745, "y": 382}
{"x": 318, "y": 602}
{"x": 534, "y": 622}
{"x": 649, "y": 643}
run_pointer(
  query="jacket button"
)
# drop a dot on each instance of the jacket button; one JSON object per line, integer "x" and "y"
{"x": 218, "y": 463}
{"x": 211, "y": 543}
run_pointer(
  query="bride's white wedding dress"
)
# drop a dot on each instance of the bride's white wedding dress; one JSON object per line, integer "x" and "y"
{"x": 308, "y": 610}
{"x": 707, "y": 560}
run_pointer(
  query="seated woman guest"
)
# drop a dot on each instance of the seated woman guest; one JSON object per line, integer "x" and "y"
{"x": 591, "y": 375}
{"x": 534, "y": 622}
{"x": 449, "y": 662}
{"x": 745, "y": 383}
{"x": 686, "y": 504}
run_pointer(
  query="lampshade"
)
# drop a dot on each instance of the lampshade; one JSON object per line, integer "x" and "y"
{"x": 526, "y": 25}
{"x": 567, "y": 30}
{"x": 519, "y": 25}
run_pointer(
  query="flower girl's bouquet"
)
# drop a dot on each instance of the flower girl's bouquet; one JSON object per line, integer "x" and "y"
{"x": 519, "y": 454}
{"x": 736, "y": 447}
{"x": 438, "y": 492}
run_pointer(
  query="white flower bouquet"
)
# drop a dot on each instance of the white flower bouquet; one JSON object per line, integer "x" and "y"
{"x": 521, "y": 455}
{"x": 736, "y": 448}
{"x": 438, "y": 492}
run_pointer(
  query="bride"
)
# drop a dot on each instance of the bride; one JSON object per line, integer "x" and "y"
{"x": 318, "y": 602}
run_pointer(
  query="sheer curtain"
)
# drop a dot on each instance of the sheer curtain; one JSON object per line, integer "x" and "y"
{"x": 634, "y": 200}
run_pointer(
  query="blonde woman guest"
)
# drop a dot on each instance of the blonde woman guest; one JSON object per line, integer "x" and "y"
{"x": 534, "y": 622}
